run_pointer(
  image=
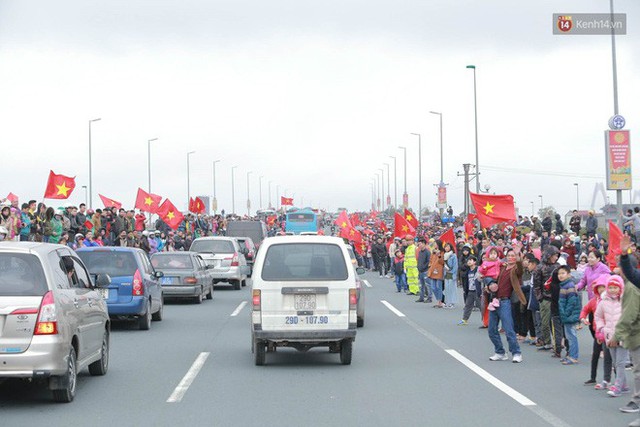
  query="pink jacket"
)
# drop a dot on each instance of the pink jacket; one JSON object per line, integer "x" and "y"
{"x": 490, "y": 268}
{"x": 609, "y": 310}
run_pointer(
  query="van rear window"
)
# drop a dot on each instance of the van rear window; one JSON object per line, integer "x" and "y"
{"x": 22, "y": 275}
{"x": 304, "y": 262}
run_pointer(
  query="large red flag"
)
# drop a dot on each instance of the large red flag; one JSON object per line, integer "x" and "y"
{"x": 170, "y": 214}
{"x": 343, "y": 220}
{"x": 493, "y": 209}
{"x": 199, "y": 205}
{"x": 355, "y": 219}
{"x": 147, "y": 202}
{"x": 12, "y": 197}
{"x": 615, "y": 236}
{"x": 449, "y": 237}
{"x": 59, "y": 186}
{"x": 110, "y": 203}
{"x": 411, "y": 218}
{"x": 402, "y": 227}
{"x": 286, "y": 201}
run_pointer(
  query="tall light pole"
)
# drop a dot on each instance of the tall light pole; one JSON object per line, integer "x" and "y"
{"x": 441, "y": 148}
{"x": 475, "y": 114}
{"x": 188, "y": 178}
{"x": 90, "y": 204}
{"x": 377, "y": 178}
{"x": 577, "y": 196}
{"x": 405, "y": 196}
{"x": 419, "y": 174}
{"x": 395, "y": 183}
{"x": 388, "y": 185}
{"x": 615, "y": 98}
{"x": 541, "y": 204}
{"x": 532, "y": 211}
{"x": 85, "y": 195}
{"x": 381, "y": 170}
{"x": 248, "y": 195}
{"x": 260, "y": 189}
{"x": 233, "y": 190}
{"x": 373, "y": 196}
{"x": 269, "y": 202}
{"x": 277, "y": 197}
{"x": 215, "y": 199}
{"x": 149, "y": 141}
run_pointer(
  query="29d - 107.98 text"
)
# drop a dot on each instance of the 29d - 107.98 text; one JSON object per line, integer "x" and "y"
{"x": 309, "y": 320}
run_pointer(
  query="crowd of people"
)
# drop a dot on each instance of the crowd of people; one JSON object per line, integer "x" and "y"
{"x": 527, "y": 282}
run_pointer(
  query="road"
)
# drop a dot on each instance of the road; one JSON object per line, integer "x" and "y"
{"x": 412, "y": 366}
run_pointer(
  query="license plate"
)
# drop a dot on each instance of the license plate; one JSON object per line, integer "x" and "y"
{"x": 167, "y": 281}
{"x": 305, "y": 302}
{"x": 104, "y": 293}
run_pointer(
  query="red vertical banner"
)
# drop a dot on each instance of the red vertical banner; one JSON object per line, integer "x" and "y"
{"x": 618, "y": 153}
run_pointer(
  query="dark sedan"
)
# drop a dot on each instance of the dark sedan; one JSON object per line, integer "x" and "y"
{"x": 185, "y": 275}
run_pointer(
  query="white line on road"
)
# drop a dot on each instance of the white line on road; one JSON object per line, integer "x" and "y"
{"x": 367, "y": 284}
{"x": 393, "y": 309}
{"x": 238, "y": 309}
{"x": 515, "y": 395}
{"x": 187, "y": 380}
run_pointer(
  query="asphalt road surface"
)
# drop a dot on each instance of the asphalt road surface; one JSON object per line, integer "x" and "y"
{"x": 412, "y": 366}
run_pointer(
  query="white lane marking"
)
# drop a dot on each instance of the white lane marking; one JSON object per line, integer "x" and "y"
{"x": 368, "y": 285}
{"x": 515, "y": 395}
{"x": 187, "y": 380}
{"x": 238, "y": 309}
{"x": 393, "y": 309}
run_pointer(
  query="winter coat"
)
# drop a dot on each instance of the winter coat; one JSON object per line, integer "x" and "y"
{"x": 592, "y": 224}
{"x": 591, "y": 274}
{"x": 379, "y": 252}
{"x": 490, "y": 268}
{"x": 628, "y": 327}
{"x": 543, "y": 271}
{"x": 515, "y": 276}
{"x": 589, "y": 308}
{"x": 140, "y": 219}
{"x": 559, "y": 225}
{"x": 424, "y": 256}
{"x": 410, "y": 260}
{"x": 574, "y": 223}
{"x": 609, "y": 311}
{"x": 436, "y": 267}
{"x": 56, "y": 230}
{"x": 569, "y": 302}
{"x": 398, "y": 265}
{"x": 451, "y": 264}
{"x": 547, "y": 224}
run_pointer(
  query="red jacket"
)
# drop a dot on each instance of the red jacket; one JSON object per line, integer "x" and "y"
{"x": 140, "y": 219}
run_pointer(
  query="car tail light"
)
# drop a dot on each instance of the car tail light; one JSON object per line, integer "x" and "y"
{"x": 32, "y": 310}
{"x": 190, "y": 280}
{"x": 353, "y": 299}
{"x": 138, "y": 288}
{"x": 235, "y": 261}
{"x": 256, "y": 314}
{"x": 257, "y": 300}
{"x": 47, "y": 323}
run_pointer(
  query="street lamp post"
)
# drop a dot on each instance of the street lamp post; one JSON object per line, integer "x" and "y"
{"x": 381, "y": 170}
{"x": 395, "y": 183}
{"x": 233, "y": 190}
{"x": 441, "y": 148}
{"x": 373, "y": 196}
{"x": 419, "y": 175}
{"x": 215, "y": 199}
{"x": 149, "y": 141}
{"x": 269, "y": 202}
{"x": 388, "y": 185}
{"x": 405, "y": 196}
{"x": 615, "y": 99}
{"x": 577, "y": 196}
{"x": 248, "y": 195}
{"x": 377, "y": 191}
{"x": 475, "y": 114}
{"x": 532, "y": 211}
{"x": 541, "y": 204}
{"x": 188, "y": 178}
{"x": 90, "y": 171}
{"x": 277, "y": 197}
{"x": 85, "y": 194}
{"x": 260, "y": 189}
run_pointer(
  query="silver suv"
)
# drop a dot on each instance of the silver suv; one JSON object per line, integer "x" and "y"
{"x": 225, "y": 258}
{"x": 53, "y": 323}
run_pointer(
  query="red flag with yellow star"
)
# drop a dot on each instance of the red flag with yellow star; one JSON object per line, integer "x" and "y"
{"x": 343, "y": 220}
{"x": 402, "y": 227}
{"x": 170, "y": 214}
{"x": 110, "y": 203}
{"x": 147, "y": 202}
{"x": 411, "y": 218}
{"x": 493, "y": 209}
{"x": 59, "y": 186}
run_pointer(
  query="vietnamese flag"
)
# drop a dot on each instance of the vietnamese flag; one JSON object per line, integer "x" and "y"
{"x": 199, "y": 205}
{"x": 343, "y": 220}
{"x": 493, "y": 209}
{"x": 110, "y": 203}
{"x": 147, "y": 202}
{"x": 355, "y": 220}
{"x": 411, "y": 218}
{"x": 402, "y": 227}
{"x": 170, "y": 214}
{"x": 59, "y": 186}
{"x": 286, "y": 201}
{"x": 615, "y": 236}
{"x": 12, "y": 198}
{"x": 449, "y": 237}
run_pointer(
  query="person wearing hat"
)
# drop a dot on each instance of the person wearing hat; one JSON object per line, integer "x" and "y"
{"x": 78, "y": 241}
{"x": 411, "y": 266}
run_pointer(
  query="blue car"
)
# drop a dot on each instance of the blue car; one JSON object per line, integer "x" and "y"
{"x": 135, "y": 292}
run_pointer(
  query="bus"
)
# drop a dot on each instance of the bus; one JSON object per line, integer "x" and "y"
{"x": 302, "y": 220}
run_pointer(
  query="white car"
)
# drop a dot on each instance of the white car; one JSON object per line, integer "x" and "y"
{"x": 304, "y": 296}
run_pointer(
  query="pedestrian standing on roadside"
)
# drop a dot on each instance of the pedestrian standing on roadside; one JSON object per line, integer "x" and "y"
{"x": 398, "y": 266}
{"x": 472, "y": 289}
{"x": 450, "y": 276}
{"x": 587, "y": 318}
{"x": 570, "y": 306}
{"x": 411, "y": 266}
{"x": 424, "y": 256}
{"x": 436, "y": 273}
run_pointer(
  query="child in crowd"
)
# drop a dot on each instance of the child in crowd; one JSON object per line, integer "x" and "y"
{"x": 532, "y": 314}
{"x": 607, "y": 316}
{"x": 398, "y": 268}
{"x": 472, "y": 289}
{"x": 488, "y": 270}
{"x": 587, "y": 317}
{"x": 569, "y": 305}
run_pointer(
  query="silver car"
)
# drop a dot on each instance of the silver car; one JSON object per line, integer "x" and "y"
{"x": 186, "y": 275}
{"x": 225, "y": 258}
{"x": 53, "y": 322}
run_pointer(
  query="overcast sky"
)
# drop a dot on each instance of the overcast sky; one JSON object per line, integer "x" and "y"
{"x": 313, "y": 95}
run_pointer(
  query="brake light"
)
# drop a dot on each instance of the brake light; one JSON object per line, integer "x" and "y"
{"x": 353, "y": 299}
{"x": 235, "y": 260}
{"x": 190, "y": 280}
{"x": 257, "y": 299}
{"x": 138, "y": 288}
{"x": 24, "y": 311}
{"x": 47, "y": 323}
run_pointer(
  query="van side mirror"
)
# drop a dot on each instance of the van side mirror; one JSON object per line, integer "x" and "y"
{"x": 103, "y": 280}
{"x": 360, "y": 270}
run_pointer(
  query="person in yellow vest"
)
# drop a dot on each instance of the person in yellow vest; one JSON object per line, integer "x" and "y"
{"x": 411, "y": 266}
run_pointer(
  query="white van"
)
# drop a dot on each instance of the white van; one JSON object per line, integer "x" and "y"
{"x": 304, "y": 296}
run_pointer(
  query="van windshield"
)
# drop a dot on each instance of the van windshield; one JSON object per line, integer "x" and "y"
{"x": 22, "y": 275}
{"x": 304, "y": 262}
